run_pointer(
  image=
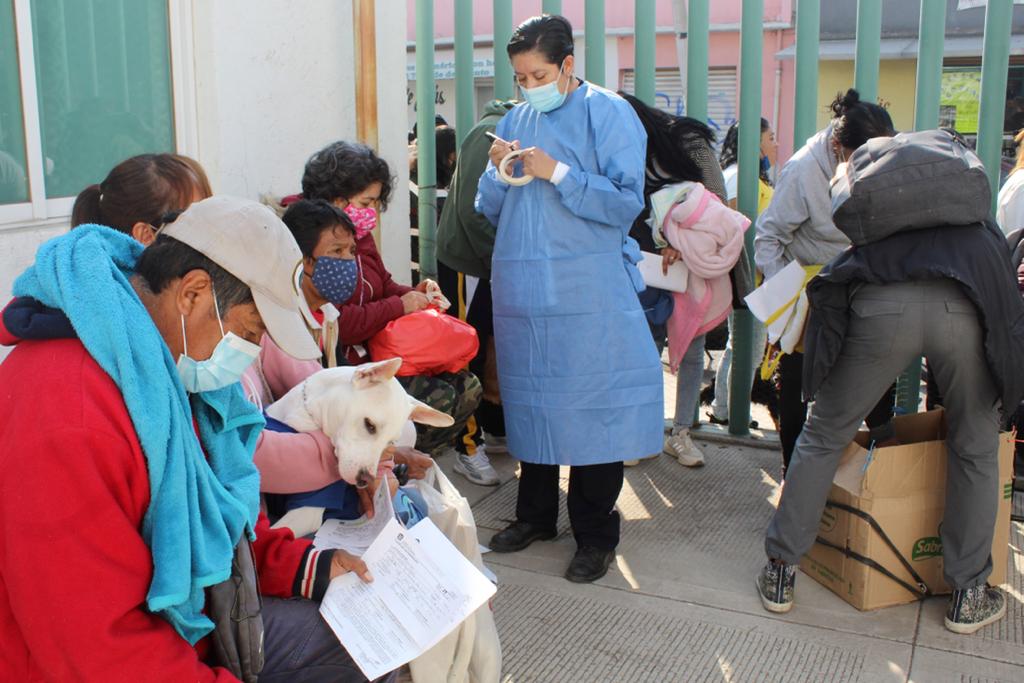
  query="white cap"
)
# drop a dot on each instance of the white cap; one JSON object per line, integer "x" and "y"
{"x": 249, "y": 241}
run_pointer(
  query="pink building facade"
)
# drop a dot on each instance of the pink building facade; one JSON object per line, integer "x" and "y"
{"x": 777, "y": 75}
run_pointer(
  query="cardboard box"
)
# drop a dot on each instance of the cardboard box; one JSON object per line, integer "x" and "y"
{"x": 903, "y": 489}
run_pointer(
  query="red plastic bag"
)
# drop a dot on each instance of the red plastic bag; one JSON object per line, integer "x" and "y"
{"x": 429, "y": 342}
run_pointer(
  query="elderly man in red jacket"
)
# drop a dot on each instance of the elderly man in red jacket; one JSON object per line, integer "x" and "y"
{"x": 126, "y": 479}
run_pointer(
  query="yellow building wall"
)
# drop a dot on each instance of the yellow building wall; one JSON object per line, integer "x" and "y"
{"x": 897, "y": 80}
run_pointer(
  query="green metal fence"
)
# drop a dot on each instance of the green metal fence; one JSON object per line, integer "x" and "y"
{"x": 995, "y": 63}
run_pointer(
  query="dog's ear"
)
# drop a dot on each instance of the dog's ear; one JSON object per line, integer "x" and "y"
{"x": 369, "y": 374}
{"x": 426, "y": 415}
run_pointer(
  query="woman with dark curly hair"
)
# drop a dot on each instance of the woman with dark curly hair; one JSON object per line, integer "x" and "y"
{"x": 351, "y": 176}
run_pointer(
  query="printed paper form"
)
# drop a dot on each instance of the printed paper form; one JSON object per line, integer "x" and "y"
{"x": 356, "y": 535}
{"x": 423, "y": 588}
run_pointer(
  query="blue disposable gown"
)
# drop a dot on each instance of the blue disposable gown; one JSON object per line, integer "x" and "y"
{"x": 581, "y": 381}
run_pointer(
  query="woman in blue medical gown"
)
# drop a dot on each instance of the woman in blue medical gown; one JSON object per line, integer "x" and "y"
{"x": 581, "y": 382}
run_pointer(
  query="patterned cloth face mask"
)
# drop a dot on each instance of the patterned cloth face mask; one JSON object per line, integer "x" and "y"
{"x": 335, "y": 278}
{"x": 364, "y": 219}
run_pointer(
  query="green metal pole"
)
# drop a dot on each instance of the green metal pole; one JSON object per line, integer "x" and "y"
{"x": 749, "y": 157}
{"x": 698, "y": 21}
{"x": 504, "y": 88}
{"x": 552, "y": 7}
{"x": 931, "y": 42}
{"x": 869, "y": 48}
{"x": 426, "y": 172}
{"x": 643, "y": 39}
{"x": 808, "y": 31}
{"x": 465, "y": 99}
{"x": 994, "y": 66}
{"x": 593, "y": 36}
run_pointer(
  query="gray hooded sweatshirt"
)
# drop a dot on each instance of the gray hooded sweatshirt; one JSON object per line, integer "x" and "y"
{"x": 797, "y": 225}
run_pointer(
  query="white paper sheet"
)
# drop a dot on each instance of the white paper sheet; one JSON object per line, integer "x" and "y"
{"x": 775, "y": 293}
{"x": 356, "y": 535}
{"x": 650, "y": 269}
{"x": 423, "y": 588}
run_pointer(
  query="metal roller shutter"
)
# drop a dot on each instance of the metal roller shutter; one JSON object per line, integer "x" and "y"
{"x": 669, "y": 95}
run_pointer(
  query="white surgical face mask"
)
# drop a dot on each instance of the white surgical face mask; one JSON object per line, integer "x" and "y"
{"x": 230, "y": 358}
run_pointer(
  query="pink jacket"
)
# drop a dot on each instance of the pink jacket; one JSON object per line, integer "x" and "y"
{"x": 288, "y": 463}
{"x": 709, "y": 236}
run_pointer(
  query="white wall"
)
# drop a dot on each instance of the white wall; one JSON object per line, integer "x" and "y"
{"x": 274, "y": 83}
{"x": 391, "y": 127}
{"x": 260, "y": 86}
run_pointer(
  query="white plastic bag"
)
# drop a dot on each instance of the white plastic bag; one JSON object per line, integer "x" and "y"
{"x": 472, "y": 652}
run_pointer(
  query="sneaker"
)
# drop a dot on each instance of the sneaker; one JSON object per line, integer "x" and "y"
{"x": 775, "y": 584}
{"x": 517, "y": 536}
{"x": 681, "y": 447}
{"x": 970, "y": 609}
{"x": 496, "y": 444}
{"x": 477, "y": 468}
{"x": 589, "y": 564}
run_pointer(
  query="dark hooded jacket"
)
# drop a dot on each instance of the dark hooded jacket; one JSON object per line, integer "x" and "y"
{"x": 975, "y": 256}
{"x": 465, "y": 239}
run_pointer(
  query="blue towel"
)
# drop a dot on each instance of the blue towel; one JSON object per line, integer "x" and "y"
{"x": 200, "y": 504}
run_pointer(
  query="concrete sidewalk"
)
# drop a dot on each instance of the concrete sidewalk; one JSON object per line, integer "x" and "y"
{"x": 680, "y": 605}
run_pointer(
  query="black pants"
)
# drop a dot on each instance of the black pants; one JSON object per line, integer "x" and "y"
{"x": 489, "y": 416}
{"x": 793, "y": 409}
{"x": 593, "y": 490}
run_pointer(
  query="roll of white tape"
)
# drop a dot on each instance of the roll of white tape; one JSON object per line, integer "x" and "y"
{"x": 507, "y": 176}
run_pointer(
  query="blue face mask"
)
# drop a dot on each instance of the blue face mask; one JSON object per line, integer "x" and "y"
{"x": 335, "y": 278}
{"x": 224, "y": 367}
{"x": 547, "y": 97}
{"x": 765, "y": 165}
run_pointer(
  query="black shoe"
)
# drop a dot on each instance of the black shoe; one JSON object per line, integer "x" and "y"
{"x": 971, "y": 609}
{"x": 519, "y": 535}
{"x": 775, "y": 584}
{"x": 725, "y": 423}
{"x": 589, "y": 564}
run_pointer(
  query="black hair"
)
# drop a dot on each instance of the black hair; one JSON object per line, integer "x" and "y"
{"x": 168, "y": 259}
{"x": 856, "y": 122}
{"x": 730, "y": 147}
{"x": 445, "y": 146}
{"x": 669, "y": 141}
{"x": 342, "y": 170}
{"x": 548, "y": 34}
{"x": 438, "y": 121}
{"x": 309, "y": 219}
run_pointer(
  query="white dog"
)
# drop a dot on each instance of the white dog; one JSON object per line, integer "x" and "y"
{"x": 361, "y": 409}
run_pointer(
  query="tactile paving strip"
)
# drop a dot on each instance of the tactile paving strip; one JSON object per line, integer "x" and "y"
{"x": 719, "y": 507}
{"x": 1010, "y": 629}
{"x": 550, "y": 638}
{"x": 498, "y": 510}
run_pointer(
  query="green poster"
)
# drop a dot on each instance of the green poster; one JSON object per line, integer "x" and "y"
{"x": 959, "y": 100}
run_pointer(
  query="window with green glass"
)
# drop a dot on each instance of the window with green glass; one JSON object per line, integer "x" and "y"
{"x": 13, "y": 174}
{"x": 104, "y": 80}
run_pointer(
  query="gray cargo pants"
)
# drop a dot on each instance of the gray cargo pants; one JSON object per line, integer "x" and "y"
{"x": 890, "y": 325}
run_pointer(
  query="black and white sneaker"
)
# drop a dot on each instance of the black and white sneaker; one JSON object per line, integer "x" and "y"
{"x": 775, "y": 584}
{"x": 971, "y": 609}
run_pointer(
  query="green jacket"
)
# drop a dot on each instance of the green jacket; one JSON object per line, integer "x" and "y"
{"x": 465, "y": 239}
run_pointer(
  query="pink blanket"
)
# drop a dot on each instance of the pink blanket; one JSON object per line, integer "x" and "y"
{"x": 709, "y": 235}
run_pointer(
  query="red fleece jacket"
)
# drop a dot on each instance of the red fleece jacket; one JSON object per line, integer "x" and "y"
{"x": 74, "y": 570}
{"x": 376, "y": 302}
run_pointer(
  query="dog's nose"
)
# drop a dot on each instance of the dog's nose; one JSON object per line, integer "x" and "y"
{"x": 363, "y": 479}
